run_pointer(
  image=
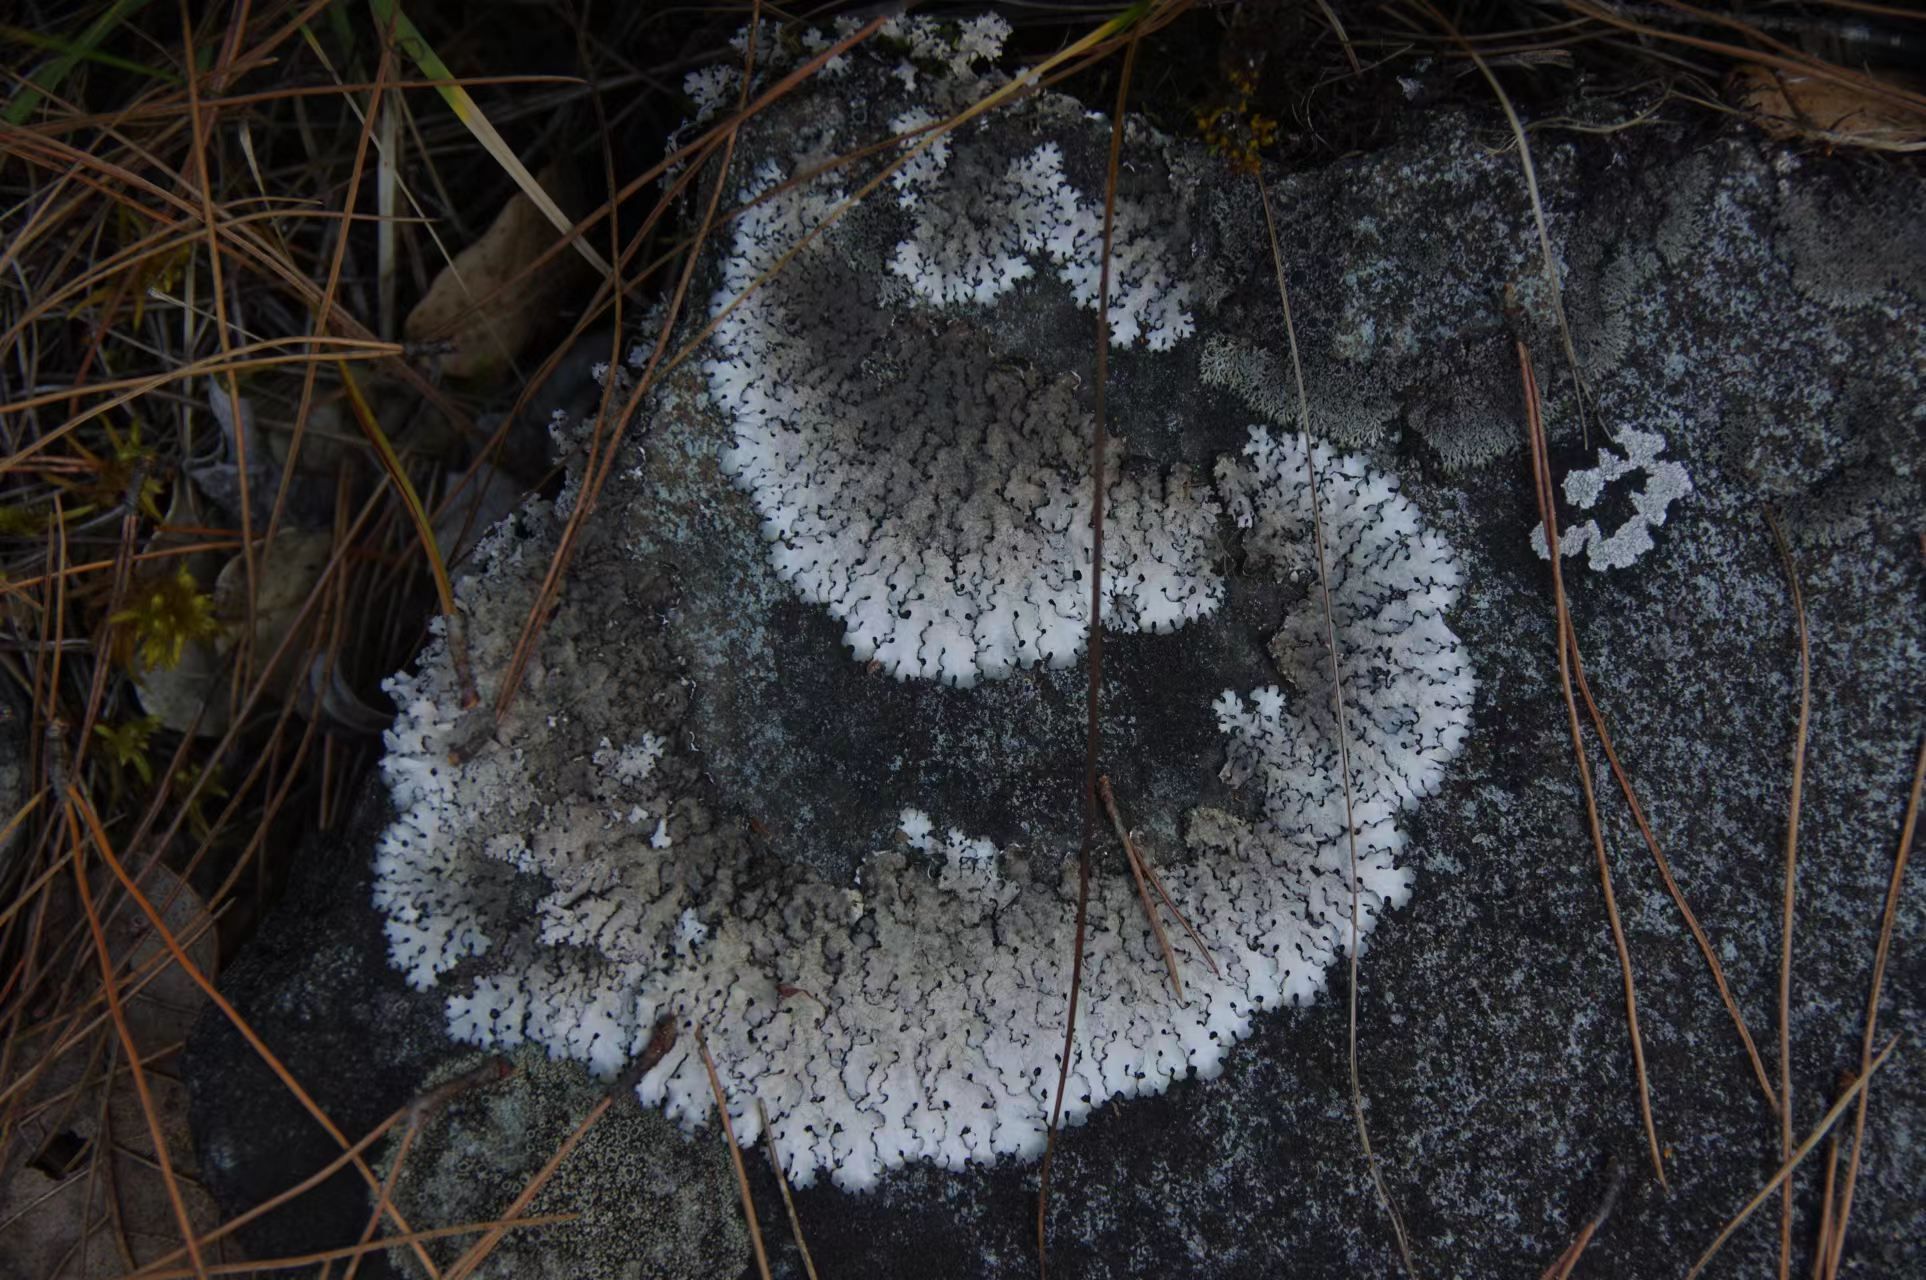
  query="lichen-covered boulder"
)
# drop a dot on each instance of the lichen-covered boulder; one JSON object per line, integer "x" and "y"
{"x": 796, "y": 763}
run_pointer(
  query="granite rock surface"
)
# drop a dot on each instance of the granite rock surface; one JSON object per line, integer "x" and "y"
{"x": 1738, "y": 299}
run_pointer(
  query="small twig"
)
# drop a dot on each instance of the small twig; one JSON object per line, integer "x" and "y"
{"x": 1791, "y": 888}
{"x": 782, "y": 1182}
{"x": 1548, "y": 513}
{"x": 735, "y": 1156}
{"x": 1143, "y": 888}
{"x": 1562, "y": 1268}
{"x": 1804, "y": 1149}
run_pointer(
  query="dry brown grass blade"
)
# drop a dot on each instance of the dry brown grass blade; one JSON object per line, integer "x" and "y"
{"x": 1548, "y": 515}
{"x": 1143, "y": 887}
{"x": 110, "y": 987}
{"x": 385, "y": 1198}
{"x": 1792, "y": 1162}
{"x": 118, "y": 185}
{"x": 466, "y": 1265}
{"x": 1763, "y": 50}
{"x": 1794, "y": 804}
{"x": 1671, "y": 884}
{"x": 1553, "y": 288}
{"x": 415, "y": 1110}
{"x": 782, "y": 1183}
{"x": 1836, "y": 1243}
{"x": 223, "y": 331}
{"x": 1093, "y": 723}
{"x": 187, "y": 966}
{"x": 602, "y": 454}
{"x": 330, "y": 293}
{"x": 1829, "y": 1185}
{"x": 1354, "y": 1079}
{"x": 244, "y": 358}
{"x": 288, "y": 1196}
{"x": 735, "y": 1156}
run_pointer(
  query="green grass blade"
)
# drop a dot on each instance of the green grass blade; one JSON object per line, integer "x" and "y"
{"x": 79, "y": 53}
{"x": 83, "y": 47}
{"x": 409, "y": 40}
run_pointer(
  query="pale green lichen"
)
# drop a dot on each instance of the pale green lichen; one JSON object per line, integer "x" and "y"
{"x": 653, "y": 1202}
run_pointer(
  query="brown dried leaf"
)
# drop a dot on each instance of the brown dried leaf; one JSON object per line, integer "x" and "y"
{"x": 286, "y": 571}
{"x": 82, "y": 1177}
{"x": 1787, "y": 105}
{"x": 482, "y": 305}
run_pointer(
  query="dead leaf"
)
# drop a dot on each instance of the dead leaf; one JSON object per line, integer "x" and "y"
{"x": 285, "y": 574}
{"x": 1789, "y": 105}
{"x": 483, "y": 307}
{"x": 81, "y": 1194}
{"x": 219, "y": 477}
{"x": 330, "y": 702}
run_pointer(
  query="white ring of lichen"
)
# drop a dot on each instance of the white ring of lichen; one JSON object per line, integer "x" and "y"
{"x": 920, "y": 1019}
{"x": 918, "y": 1015}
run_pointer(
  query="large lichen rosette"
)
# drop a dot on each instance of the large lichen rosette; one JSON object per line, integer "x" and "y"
{"x": 911, "y": 477}
{"x": 579, "y": 875}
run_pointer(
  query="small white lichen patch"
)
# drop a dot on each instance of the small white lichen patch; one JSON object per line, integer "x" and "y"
{"x": 709, "y": 88}
{"x": 1665, "y": 483}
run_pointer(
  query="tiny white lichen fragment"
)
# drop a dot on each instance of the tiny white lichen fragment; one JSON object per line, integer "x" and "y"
{"x": 1665, "y": 482}
{"x": 923, "y": 167}
{"x": 710, "y": 87}
{"x": 917, "y": 828}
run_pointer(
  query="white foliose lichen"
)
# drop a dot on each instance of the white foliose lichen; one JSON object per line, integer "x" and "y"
{"x": 1665, "y": 483}
{"x": 1407, "y": 685}
{"x": 919, "y": 1018}
{"x": 566, "y": 877}
{"x": 973, "y": 241}
{"x": 938, "y": 504}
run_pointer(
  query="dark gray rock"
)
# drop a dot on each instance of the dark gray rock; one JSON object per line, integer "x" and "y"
{"x": 1709, "y": 302}
{"x": 315, "y": 985}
